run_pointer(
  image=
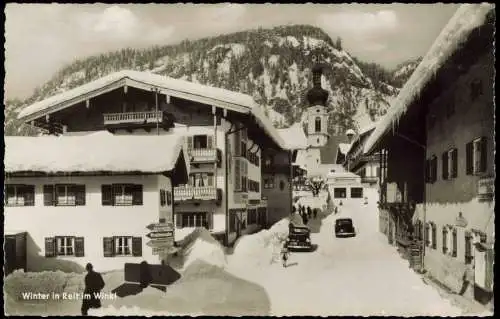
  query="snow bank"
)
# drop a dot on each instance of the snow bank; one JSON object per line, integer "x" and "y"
{"x": 19, "y": 282}
{"x": 200, "y": 245}
{"x": 259, "y": 249}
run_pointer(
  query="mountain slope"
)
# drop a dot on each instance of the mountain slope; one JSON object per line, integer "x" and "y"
{"x": 272, "y": 65}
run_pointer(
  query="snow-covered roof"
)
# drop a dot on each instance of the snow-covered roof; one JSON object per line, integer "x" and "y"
{"x": 223, "y": 98}
{"x": 294, "y": 136}
{"x": 341, "y": 174}
{"x": 467, "y": 18}
{"x": 95, "y": 152}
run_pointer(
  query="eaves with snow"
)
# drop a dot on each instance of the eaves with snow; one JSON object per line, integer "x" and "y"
{"x": 212, "y": 96}
{"x": 99, "y": 152}
{"x": 294, "y": 137}
{"x": 467, "y": 18}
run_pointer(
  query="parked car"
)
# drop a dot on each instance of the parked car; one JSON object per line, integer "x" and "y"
{"x": 299, "y": 238}
{"x": 344, "y": 228}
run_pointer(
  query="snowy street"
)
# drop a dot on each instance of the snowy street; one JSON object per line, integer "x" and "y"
{"x": 362, "y": 275}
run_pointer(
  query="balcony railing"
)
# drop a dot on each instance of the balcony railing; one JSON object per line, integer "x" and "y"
{"x": 369, "y": 179}
{"x": 133, "y": 117}
{"x": 184, "y": 193}
{"x": 203, "y": 154}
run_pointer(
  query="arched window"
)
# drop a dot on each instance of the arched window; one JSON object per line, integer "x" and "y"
{"x": 317, "y": 124}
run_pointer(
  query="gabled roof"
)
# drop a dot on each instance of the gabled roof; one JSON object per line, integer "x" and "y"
{"x": 294, "y": 137}
{"x": 223, "y": 98}
{"x": 467, "y": 18}
{"x": 328, "y": 153}
{"x": 95, "y": 152}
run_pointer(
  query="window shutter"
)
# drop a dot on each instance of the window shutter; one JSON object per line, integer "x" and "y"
{"x": 190, "y": 143}
{"x": 434, "y": 169}
{"x": 469, "y": 167}
{"x": 210, "y": 142}
{"x": 48, "y": 195}
{"x": 468, "y": 247}
{"x": 169, "y": 198}
{"x": 427, "y": 229}
{"x": 445, "y": 165}
{"x": 106, "y": 195}
{"x": 237, "y": 144}
{"x": 50, "y": 247}
{"x": 219, "y": 158}
{"x": 454, "y": 160}
{"x": 210, "y": 181}
{"x": 445, "y": 240}
{"x": 137, "y": 194}
{"x": 237, "y": 174}
{"x": 210, "y": 218}
{"x": 108, "y": 246}
{"x": 29, "y": 195}
{"x": 79, "y": 247}
{"x": 434, "y": 236}
{"x": 484, "y": 152}
{"x": 79, "y": 195}
{"x": 178, "y": 220}
{"x": 454, "y": 243}
{"x": 137, "y": 246}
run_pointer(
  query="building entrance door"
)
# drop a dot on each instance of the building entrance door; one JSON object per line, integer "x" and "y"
{"x": 10, "y": 255}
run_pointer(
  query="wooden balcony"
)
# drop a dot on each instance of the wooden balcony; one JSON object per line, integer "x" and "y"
{"x": 130, "y": 120}
{"x": 205, "y": 155}
{"x": 197, "y": 194}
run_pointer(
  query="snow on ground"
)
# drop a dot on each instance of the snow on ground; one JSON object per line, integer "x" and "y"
{"x": 362, "y": 275}
{"x": 200, "y": 245}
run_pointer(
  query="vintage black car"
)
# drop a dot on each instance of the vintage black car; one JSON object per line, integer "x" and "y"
{"x": 299, "y": 238}
{"x": 344, "y": 228}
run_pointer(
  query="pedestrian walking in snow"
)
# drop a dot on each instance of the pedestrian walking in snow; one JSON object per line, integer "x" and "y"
{"x": 284, "y": 255}
{"x": 93, "y": 286}
{"x": 315, "y": 213}
{"x": 309, "y": 212}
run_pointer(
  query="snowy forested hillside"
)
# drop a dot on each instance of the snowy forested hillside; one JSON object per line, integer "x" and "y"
{"x": 272, "y": 65}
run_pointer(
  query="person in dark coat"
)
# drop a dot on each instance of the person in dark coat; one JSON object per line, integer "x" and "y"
{"x": 315, "y": 213}
{"x": 93, "y": 286}
{"x": 309, "y": 212}
{"x": 304, "y": 219}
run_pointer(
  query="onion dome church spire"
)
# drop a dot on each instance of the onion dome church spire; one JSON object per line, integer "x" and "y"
{"x": 317, "y": 95}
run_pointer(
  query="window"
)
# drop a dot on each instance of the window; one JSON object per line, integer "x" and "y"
{"x": 122, "y": 246}
{"x": 192, "y": 220}
{"x": 476, "y": 154}
{"x": 19, "y": 195}
{"x": 165, "y": 198}
{"x": 252, "y": 216}
{"x": 356, "y": 192}
{"x": 64, "y": 195}
{"x": 200, "y": 141}
{"x": 427, "y": 234}
{"x": 476, "y": 89}
{"x": 64, "y": 246}
{"x": 449, "y": 167}
{"x": 121, "y": 194}
{"x": 339, "y": 192}
{"x": 269, "y": 182}
{"x": 317, "y": 124}
{"x": 201, "y": 179}
{"x": 468, "y": 247}
{"x": 431, "y": 169}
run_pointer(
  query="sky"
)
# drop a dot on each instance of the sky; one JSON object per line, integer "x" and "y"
{"x": 40, "y": 39}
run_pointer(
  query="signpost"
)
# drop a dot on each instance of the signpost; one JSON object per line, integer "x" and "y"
{"x": 162, "y": 239}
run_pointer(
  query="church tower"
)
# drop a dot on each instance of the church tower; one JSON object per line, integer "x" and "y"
{"x": 317, "y": 116}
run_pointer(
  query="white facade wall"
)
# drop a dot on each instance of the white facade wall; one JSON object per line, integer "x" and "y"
{"x": 93, "y": 221}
